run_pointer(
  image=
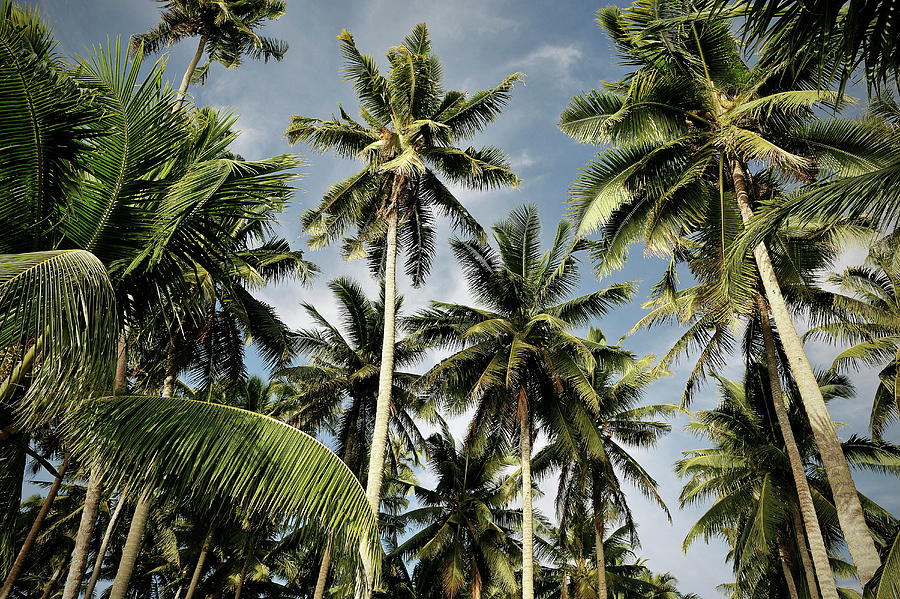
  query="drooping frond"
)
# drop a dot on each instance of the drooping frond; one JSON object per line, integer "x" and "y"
{"x": 58, "y": 324}
{"x": 209, "y": 451}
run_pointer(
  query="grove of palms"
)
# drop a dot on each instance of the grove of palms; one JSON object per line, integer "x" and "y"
{"x": 185, "y": 414}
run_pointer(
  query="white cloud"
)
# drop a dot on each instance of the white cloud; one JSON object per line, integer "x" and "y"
{"x": 556, "y": 61}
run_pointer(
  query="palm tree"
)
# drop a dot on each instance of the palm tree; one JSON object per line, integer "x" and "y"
{"x": 865, "y": 313}
{"x": 692, "y": 119}
{"x": 135, "y": 170}
{"x": 465, "y": 541}
{"x": 226, "y": 31}
{"x": 514, "y": 355}
{"x": 573, "y": 548}
{"x": 410, "y": 136}
{"x": 664, "y": 586}
{"x": 342, "y": 376}
{"x": 747, "y": 473}
{"x": 591, "y": 467}
{"x": 712, "y": 322}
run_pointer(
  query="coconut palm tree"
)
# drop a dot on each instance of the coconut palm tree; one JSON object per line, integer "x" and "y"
{"x": 574, "y": 550}
{"x": 225, "y": 29}
{"x": 865, "y": 314}
{"x": 465, "y": 542}
{"x": 411, "y": 134}
{"x": 136, "y": 170}
{"x": 342, "y": 378}
{"x": 514, "y": 355}
{"x": 689, "y": 122}
{"x": 713, "y": 321}
{"x": 747, "y": 473}
{"x": 591, "y": 471}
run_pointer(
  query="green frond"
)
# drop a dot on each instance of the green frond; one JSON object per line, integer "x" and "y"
{"x": 209, "y": 451}
{"x": 58, "y": 331}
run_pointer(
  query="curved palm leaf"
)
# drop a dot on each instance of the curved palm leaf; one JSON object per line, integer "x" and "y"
{"x": 208, "y": 451}
{"x": 57, "y": 330}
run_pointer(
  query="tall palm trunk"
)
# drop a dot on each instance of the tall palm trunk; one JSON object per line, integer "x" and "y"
{"x": 385, "y": 380}
{"x": 142, "y": 509}
{"x": 33, "y": 531}
{"x": 319, "y": 593}
{"x": 101, "y": 552}
{"x": 198, "y": 570}
{"x": 527, "y": 514}
{"x": 49, "y": 586}
{"x": 810, "y": 521}
{"x": 564, "y": 587}
{"x": 83, "y": 536}
{"x": 94, "y": 490}
{"x": 846, "y": 497}
{"x": 786, "y": 569}
{"x": 189, "y": 73}
{"x": 132, "y": 546}
{"x": 808, "y": 568}
{"x": 598, "y": 540}
{"x": 240, "y": 582}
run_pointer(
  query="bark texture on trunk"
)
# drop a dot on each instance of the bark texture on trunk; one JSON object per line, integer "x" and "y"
{"x": 809, "y": 570}
{"x": 101, "y": 552}
{"x": 132, "y": 547}
{"x": 846, "y": 498}
{"x": 189, "y": 73}
{"x": 19, "y": 563}
{"x": 600, "y": 556}
{"x": 564, "y": 587}
{"x": 385, "y": 381}
{"x": 527, "y": 514}
{"x": 810, "y": 522}
{"x": 319, "y": 593}
{"x": 198, "y": 570}
{"x": 83, "y": 536}
{"x": 788, "y": 576}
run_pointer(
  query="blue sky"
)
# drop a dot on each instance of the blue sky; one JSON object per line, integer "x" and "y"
{"x": 562, "y": 52}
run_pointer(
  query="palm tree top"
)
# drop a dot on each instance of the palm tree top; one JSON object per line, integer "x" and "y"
{"x": 227, "y": 26}
{"x": 409, "y": 136}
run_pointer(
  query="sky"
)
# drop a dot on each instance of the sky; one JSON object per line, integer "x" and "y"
{"x": 562, "y": 52}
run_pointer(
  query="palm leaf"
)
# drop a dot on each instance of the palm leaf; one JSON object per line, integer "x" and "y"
{"x": 208, "y": 451}
{"x": 58, "y": 326}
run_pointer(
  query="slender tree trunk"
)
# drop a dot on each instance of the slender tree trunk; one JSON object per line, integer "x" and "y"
{"x": 57, "y": 572}
{"x": 564, "y": 588}
{"x": 242, "y": 575}
{"x": 385, "y": 381}
{"x": 598, "y": 541}
{"x": 846, "y": 497}
{"x": 94, "y": 491}
{"x": 810, "y": 521}
{"x": 323, "y": 571}
{"x": 786, "y": 569}
{"x": 83, "y": 537}
{"x": 527, "y": 513}
{"x": 189, "y": 73}
{"x": 198, "y": 571}
{"x": 809, "y": 570}
{"x": 107, "y": 536}
{"x": 142, "y": 509}
{"x": 33, "y": 531}
{"x": 132, "y": 546}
